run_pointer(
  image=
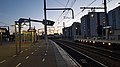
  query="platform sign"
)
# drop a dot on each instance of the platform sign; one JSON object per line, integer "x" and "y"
{"x": 31, "y": 30}
{"x": 107, "y": 27}
{"x": 3, "y": 31}
{"x": 48, "y": 22}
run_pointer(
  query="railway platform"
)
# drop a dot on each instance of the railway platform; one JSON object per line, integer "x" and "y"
{"x": 38, "y": 55}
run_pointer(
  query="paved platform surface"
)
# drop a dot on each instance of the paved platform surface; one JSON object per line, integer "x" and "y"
{"x": 38, "y": 55}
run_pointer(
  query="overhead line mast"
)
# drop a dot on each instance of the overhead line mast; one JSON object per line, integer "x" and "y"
{"x": 92, "y": 8}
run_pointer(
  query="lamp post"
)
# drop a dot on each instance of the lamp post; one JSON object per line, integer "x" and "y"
{"x": 1, "y": 31}
{"x": 19, "y": 30}
{"x": 34, "y": 35}
{"x": 0, "y": 38}
{"x": 16, "y": 37}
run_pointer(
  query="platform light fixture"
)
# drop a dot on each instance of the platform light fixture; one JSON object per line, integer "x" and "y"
{"x": 109, "y": 44}
{"x": 90, "y": 41}
{"x": 103, "y": 42}
{"x": 93, "y": 41}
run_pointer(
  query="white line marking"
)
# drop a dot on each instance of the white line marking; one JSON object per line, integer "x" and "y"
{"x": 18, "y": 64}
{"x": 45, "y": 54}
{"x": 26, "y": 49}
{"x": 14, "y": 55}
{"x": 111, "y": 51}
{"x": 27, "y": 57}
{"x": 21, "y": 52}
{"x": 32, "y": 53}
{"x": 35, "y": 50}
{"x": 43, "y": 59}
{"x": 83, "y": 60}
{"x": 2, "y": 61}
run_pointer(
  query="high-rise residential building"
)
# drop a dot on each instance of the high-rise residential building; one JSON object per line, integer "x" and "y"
{"x": 114, "y": 18}
{"x": 92, "y": 24}
{"x": 67, "y": 32}
{"x": 72, "y": 31}
{"x": 76, "y": 28}
{"x": 85, "y": 26}
{"x": 96, "y": 23}
{"x": 114, "y": 22}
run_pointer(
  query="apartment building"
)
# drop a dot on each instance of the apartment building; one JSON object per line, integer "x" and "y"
{"x": 92, "y": 24}
{"x": 73, "y": 30}
{"x": 114, "y": 22}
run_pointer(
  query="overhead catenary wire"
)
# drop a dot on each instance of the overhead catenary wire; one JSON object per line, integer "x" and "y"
{"x": 82, "y": 10}
{"x": 67, "y": 3}
{"x": 59, "y": 3}
{"x": 87, "y": 6}
{"x": 72, "y": 4}
{"x": 91, "y": 2}
{"x": 63, "y": 11}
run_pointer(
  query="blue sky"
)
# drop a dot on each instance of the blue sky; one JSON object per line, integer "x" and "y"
{"x": 12, "y": 10}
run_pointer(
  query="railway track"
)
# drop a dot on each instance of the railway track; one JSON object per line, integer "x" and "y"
{"x": 102, "y": 57}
